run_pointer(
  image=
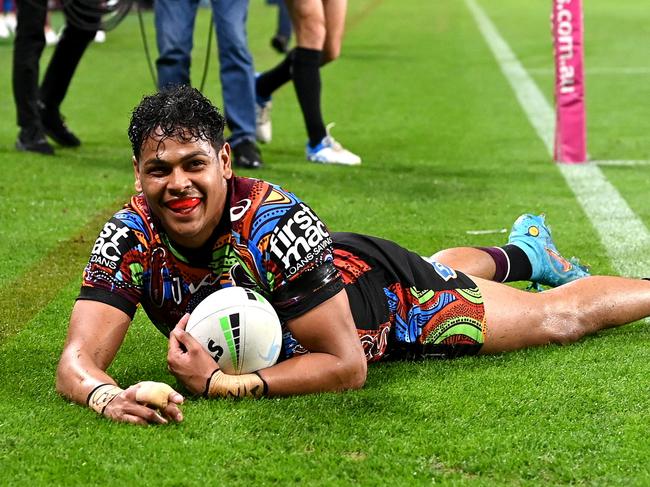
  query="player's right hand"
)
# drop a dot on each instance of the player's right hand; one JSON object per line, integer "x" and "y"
{"x": 187, "y": 360}
{"x": 129, "y": 406}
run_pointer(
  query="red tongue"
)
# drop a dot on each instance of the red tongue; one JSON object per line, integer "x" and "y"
{"x": 184, "y": 204}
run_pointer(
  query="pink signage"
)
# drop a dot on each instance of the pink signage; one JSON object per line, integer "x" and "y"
{"x": 570, "y": 128}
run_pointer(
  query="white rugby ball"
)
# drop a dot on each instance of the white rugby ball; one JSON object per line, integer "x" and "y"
{"x": 239, "y": 328}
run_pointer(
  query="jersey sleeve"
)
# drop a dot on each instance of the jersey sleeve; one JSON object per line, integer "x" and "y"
{"x": 114, "y": 271}
{"x": 300, "y": 260}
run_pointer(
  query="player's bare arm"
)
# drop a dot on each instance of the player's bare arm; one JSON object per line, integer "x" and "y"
{"x": 336, "y": 360}
{"x": 95, "y": 334}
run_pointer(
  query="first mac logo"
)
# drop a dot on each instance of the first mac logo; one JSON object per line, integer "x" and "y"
{"x": 300, "y": 238}
{"x": 106, "y": 250}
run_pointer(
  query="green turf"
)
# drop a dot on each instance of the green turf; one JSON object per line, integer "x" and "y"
{"x": 446, "y": 150}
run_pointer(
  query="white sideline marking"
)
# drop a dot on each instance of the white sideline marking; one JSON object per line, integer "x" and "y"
{"x": 603, "y": 70}
{"x": 622, "y": 163}
{"x": 622, "y": 233}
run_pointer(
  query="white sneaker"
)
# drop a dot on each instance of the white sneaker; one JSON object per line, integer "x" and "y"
{"x": 263, "y": 129}
{"x": 329, "y": 151}
{"x": 100, "y": 36}
{"x": 4, "y": 30}
{"x": 10, "y": 22}
{"x": 51, "y": 37}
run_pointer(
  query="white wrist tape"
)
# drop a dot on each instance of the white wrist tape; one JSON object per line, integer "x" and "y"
{"x": 236, "y": 386}
{"x": 101, "y": 396}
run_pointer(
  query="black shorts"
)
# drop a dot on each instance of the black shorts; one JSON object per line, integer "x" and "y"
{"x": 405, "y": 306}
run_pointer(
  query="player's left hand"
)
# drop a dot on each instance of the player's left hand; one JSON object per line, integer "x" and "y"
{"x": 187, "y": 360}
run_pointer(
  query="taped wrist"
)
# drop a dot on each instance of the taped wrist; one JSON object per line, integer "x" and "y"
{"x": 235, "y": 386}
{"x": 101, "y": 396}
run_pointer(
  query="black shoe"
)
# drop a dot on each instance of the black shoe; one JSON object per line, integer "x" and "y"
{"x": 247, "y": 155}
{"x": 56, "y": 128}
{"x": 33, "y": 140}
{"x": 280, "y": 44}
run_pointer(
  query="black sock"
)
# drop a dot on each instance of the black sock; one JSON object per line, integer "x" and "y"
{"x": 520, "y": 266}
{"x": 269, "y": 81}
{"x": 511, "y": 263}
{"x": 306, "y": 80}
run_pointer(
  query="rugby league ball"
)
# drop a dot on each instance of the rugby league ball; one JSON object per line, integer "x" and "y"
{"x": 239, "y": 328}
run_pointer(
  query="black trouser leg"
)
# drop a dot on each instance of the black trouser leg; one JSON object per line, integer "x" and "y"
{"x": 28, "y": 46}
{"x": 71, "y": 46}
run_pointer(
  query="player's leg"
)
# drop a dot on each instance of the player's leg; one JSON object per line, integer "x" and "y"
{"x": 469, "y": 260}
{"x": 308, "y": 18}
{"x": 530, "y": 254}
{"x": 301, "y": 65}
{"x": 517, "y": 319}
{"x": 335, "y": 12}
{"x": 309, "y": 24}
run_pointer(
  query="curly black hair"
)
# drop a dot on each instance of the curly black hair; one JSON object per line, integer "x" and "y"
{"x": 180, "y": 112}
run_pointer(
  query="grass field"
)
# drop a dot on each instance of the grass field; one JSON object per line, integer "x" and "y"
{"x": 447, "y": 150}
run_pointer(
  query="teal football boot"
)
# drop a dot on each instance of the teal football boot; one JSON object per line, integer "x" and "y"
{"x": 530, "y": 234}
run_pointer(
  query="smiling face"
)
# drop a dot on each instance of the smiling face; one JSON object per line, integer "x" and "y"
{"x": 185, "y": 185}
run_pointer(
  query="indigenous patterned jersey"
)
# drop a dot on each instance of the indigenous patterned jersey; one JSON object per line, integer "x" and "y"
{"x": 270, "y": 241}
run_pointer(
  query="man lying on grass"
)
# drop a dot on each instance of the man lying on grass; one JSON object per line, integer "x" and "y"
{"x": 345, "y": 299}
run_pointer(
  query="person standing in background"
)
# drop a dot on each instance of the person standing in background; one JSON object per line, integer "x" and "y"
{"x": 37, "y": 108}
{"x": 319, "y": 26}
{"x": 175, "y": 21}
